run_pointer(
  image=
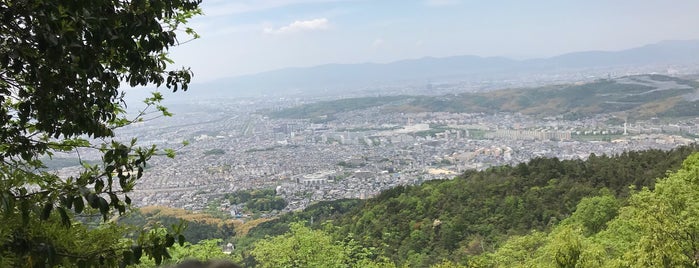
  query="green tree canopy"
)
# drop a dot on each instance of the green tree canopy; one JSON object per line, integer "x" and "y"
{"x": 301, "y": 247}
{"x": 656, "y": 228}
{"x": 62, "y": 64}
{"x": 304, "y": 247}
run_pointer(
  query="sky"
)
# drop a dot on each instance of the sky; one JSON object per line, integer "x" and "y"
{"x": 252, "y": 36}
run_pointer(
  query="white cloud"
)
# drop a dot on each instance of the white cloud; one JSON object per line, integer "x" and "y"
{"x": 300, "y": 26}
{"x": 441, "y": 3}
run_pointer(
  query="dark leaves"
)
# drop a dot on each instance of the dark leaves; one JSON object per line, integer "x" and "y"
{"x": 180, "y": 240}
{"x": 104, "y": 208}
{"x": 7, "y": 202}
{"x": 99, "y": 185}
{"x": 64, "y": 216}
{"x": 46, "y": 211}
{"x": 63, "y": 64}
{"x": 24, "y": 210}
{"x": 129, "y": 257}
{"x": 137, "y": 251}
{"x": 93, "y": 200}
{"x": 169, "y": 240}
{"x": 79, "y": 205}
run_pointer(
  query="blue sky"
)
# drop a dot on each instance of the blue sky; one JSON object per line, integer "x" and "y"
{"x": 251, "y": 36}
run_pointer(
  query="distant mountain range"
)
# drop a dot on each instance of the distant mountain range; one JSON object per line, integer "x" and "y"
{"x": 333, "y": 78}
{"x": 633, "y": 97}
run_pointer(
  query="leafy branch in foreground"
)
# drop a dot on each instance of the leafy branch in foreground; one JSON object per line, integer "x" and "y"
{"x": 61, "y": 67}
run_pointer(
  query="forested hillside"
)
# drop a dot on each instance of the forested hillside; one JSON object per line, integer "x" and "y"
{"x": 652, "y": 228}
{"x": 200, "y": 226}
{"x": 606, "y": 210}
{"x": 474, "y": 217}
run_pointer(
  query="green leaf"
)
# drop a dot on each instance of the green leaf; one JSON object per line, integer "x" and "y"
{"x": 180, "y": 240}
{"x": 69, "y": 201}
{"x": 93, "y": 200}
{"x": 169, "y": 240}
{"x": 109, "y": 170}
{"x": 46, "y": 211}
{"x": 79, "y": 205}
{"x": 24, "y": 210}
{"x": 62, "y": 69}
{"x": 158, "y": 258}
{"x": 114, "y": 199}
{"x": 64, "y": 216}
{"x": 163, "y": 110}
{"x": 8, "y": 203}
{"x": 104, "y": 207}
{"x": 170, "y": 153}
{"x": 128, "y": 257}
{"x": 99, "y": 186}
{"x": 62, "y": 200}
{"x": 166, "y": 254}
{"x": 50, "y": 252}
{"x": 137, "y": 252}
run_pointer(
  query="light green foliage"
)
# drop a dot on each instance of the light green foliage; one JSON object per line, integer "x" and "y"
{"x": 301, "y": 247}
{"x": 492, "y": 211}
{"x": 515, "y": 252}
{"x": 381, "y": 263}
{"x": 447, "y": 264}
{"x": 666, "y": 221}
{"x": 304, "y": 247}
{"x": 657, "y": 228}
{"x": 62, "y": 64}
{"x": 567, "y": 247}
{"x": 561, "y": 248}
{"x": 257, "y": 200}
{"x": 205, "y": 250}
{"x": 614, "y": 226}
{"x": 57, "y": 239}
{"x": 593, "y": 213}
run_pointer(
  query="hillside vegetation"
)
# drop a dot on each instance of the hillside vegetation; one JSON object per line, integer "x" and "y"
{"x": 477, "y": 216}
{"x": 636, "y": 209}
{"x": 328, "y": 108}
{"x": 638, "y": 97}
{"x": 200, "y": 226}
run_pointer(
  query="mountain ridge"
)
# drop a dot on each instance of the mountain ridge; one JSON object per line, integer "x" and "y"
{"x": 340, "y": 78}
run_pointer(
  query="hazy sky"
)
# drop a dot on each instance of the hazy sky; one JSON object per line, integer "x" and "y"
{"x": 250, "y": 36}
